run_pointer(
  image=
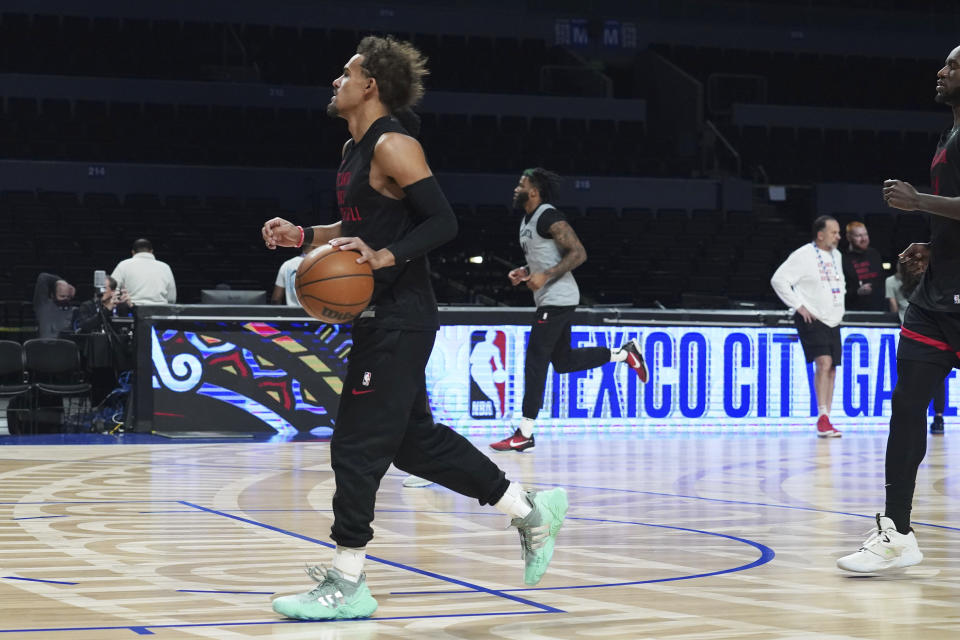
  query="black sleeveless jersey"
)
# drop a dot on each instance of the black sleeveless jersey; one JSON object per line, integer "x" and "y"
{"x": 403, "y": 296}
{"x": 939, "y": 290}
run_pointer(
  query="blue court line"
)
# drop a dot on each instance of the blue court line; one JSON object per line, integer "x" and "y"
{"x": 145, "y": 629}
{"x": 254, "y": 593}
{"x": 194, "y": 511}
{"x": 397, "y": 565}
{"x": 766, "y": 555}
{"x": 543, "y": 484}
{"x": 742, "y": 502}
{"x": 251, "y": 467}
{"x": 14, "y": 504}
{"x": 36, "y": 580}
{"x": 37, "y": 517}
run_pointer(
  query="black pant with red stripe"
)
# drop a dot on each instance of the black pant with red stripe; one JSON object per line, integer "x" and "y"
{"x": 384, "y": 417}
{"x": 550, "y": 342}
{"x": 929, "y": 348}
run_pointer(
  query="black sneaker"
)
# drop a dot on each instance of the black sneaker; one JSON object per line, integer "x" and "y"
{"x": 936, "y": 427}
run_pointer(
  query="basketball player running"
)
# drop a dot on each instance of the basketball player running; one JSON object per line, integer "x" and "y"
{"x": 929, "y": 339}
{"x": 552, "y": 251}
{"x": 393, "y": 212}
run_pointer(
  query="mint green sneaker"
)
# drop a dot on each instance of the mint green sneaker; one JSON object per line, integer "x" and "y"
{"x": 334, "y": 598}
{"x": 538, "y": 531}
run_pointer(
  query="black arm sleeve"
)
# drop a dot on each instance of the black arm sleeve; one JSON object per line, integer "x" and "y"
{"x": 437, "y": 222}
{"x": 546, "y": 220}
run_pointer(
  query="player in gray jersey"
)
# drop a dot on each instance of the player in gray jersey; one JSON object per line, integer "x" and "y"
{"x": 552, "y": 251}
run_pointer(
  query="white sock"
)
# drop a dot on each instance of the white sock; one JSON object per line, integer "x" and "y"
{"x": 526, "y": 427}
{"x": 514, "y": 502}
{"x": 349, "y": 562}
{"x": 824, "y": 411}
{"x": 618, "y": 355}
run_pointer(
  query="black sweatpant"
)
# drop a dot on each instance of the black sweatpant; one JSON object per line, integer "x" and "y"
{"x": 907, "y": 443}
{"x": 928, "y": 350}
{"x": 550, "y": 342}
{"x": 384, "y": 417}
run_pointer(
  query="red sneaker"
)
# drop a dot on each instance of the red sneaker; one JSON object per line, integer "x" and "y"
{"x": 635, "y": 359}
{"x": 825, "y": 429}
{"x": 516, "y": 442}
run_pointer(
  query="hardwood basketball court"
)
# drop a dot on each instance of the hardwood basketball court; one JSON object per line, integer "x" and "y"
{"x": 668, "y": 536}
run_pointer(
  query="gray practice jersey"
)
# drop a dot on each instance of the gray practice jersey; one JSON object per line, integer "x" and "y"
{"x": 541, "y": 254}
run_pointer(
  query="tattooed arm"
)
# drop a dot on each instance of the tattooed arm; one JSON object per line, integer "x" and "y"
{"x": 570, "y": 248}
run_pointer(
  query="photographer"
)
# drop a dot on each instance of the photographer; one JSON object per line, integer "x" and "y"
{"x": 105, "y": 350}
{"x": 89, "y": 317}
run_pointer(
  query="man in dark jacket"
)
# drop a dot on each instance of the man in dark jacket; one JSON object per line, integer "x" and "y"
{"x": 863, "y": 271}
{"x": 51, "y": 305}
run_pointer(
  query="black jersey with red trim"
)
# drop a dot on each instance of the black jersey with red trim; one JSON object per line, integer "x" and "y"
{"x": 403, "y": 295}
{"x": 939, "y": 289}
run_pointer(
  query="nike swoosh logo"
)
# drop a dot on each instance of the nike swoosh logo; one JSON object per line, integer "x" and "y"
{"x": 360, "y": 393}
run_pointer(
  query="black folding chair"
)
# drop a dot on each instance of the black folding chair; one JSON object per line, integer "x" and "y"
{"x": 53, "y": 369}
{"x": 13, "y": 384}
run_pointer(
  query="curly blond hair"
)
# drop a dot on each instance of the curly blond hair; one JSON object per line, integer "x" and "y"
{"x": 397, "y": 66}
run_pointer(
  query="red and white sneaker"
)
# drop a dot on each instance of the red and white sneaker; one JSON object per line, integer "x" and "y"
{"x": 635, "y": 359}
{"x": 825, "y": 429}
{"x": 516, "y": 442}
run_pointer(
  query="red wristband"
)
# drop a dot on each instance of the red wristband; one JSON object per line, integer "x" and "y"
{"x": 300, "y": 244}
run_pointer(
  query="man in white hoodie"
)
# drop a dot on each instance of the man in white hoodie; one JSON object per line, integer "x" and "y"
{"x": 811, "y": 282}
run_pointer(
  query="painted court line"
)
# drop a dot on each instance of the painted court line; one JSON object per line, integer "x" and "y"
{"x": 742, "y": 502}
{"x": 145, "y": 629}
{"x": 766, "y": 555}
{"x": 37, "y": 580}
{"x": 470, "y": 586}
{"x": 254, "y": 593}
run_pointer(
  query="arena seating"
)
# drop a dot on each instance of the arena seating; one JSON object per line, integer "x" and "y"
{"x": 94, "y": 131}
{"x": 273, "y": 54}
{"x": 635, "y": 256}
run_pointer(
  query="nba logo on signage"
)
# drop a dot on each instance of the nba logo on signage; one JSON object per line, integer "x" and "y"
{"x": 488, "y": 374}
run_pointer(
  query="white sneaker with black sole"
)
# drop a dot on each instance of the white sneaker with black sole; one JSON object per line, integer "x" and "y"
{"x": 885, "y": 550}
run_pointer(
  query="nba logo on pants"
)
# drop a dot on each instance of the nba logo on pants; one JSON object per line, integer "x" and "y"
{"x": 488, "y": 374}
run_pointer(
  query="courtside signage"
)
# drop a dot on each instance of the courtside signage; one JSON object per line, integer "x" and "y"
{"x": 716, "y": 375}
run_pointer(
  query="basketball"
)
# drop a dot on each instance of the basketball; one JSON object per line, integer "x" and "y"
{"x": 332, "y": 286}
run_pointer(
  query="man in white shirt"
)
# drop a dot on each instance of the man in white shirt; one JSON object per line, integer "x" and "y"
{"x": 146, "y": 279}
{"x": 285, "y": 288}
{"x": 811, "y": 282}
